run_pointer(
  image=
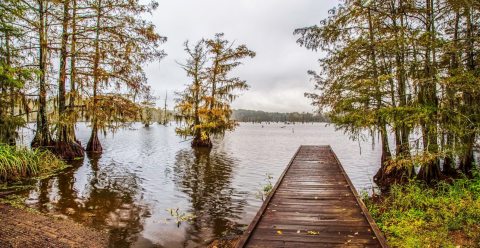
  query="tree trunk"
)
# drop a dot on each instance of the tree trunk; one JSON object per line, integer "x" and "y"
{"x": 449, "y": 162}
{"x": 467, "y": 159}
{"x": 42, "y": 136}
{"x": 430, "y": 171}
{"x": 10, "y": 132}
{"x": 73, "y": 74}
{"x": 165, "y": 117}
{"x": 199, "y": 142}
{"x": 94, "y": 143}
{"x": 65, "y": 146}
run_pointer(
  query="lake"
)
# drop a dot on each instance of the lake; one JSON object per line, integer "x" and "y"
{"x": 143, "y": 172}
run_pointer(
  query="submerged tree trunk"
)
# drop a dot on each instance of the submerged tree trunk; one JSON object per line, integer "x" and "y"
{"x": 73, "y": 75}
{"x": 197, "y": 139}
{"x": 382, "y": 177}
{"x": 165, "y": 114}
{"x": 199, "y": 142}
{"x": 65, "y": 146}
{"x": 94, "y": 143}
{"x": 42, "y": 136}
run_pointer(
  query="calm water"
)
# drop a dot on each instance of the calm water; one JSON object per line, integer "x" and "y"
{"x": 145, "y": 171}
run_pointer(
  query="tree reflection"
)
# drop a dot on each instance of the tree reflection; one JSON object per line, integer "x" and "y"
{"x": 205, "y": 176}
{"x": 109, "y": 200}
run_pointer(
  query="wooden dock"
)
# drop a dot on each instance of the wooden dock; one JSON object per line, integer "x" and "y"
{"x": 313, "y": 204}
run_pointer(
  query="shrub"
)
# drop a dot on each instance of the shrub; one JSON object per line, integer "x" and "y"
{"x": 416, "y": 215}
{"x": 18, "y": 163}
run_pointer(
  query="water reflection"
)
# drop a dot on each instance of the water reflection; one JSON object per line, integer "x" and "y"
{"x": 205, "y": 176}
{"x": 108, "y": 199}
{"x": 145, "y": 171}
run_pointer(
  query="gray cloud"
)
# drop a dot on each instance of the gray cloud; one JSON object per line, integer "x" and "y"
{"x": 277, "y": 75}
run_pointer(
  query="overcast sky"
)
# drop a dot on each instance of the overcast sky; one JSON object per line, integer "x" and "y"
{"x": 277, "y": 75}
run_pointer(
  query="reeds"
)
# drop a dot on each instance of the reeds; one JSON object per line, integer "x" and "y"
{"x": 18, "y": 163}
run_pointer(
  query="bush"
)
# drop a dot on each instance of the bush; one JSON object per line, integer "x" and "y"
{"x": 19, "y": 163}
{"x": 416, "y": 215}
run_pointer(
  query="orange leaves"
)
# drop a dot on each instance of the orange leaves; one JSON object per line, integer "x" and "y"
{"x": 204, "y": 106}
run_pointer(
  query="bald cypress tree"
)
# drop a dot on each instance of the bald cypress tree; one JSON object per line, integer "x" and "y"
{"x": 191, "y": 106}
{"x": 204, "y": 107}
{"x": 407, "y": 71}
{"x": 66, "y": 144}
{"x": 43, "y": 137}
{"x": 14, "y": 76}
{"x": 224, "y": 57}
{"x": 120, "y": 42}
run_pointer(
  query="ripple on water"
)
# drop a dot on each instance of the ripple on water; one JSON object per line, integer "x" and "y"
{"x": 145, "y": 171}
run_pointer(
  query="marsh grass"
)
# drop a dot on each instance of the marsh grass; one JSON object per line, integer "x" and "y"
{"x": 21, "y": 163}
{"x": 416, "y": 215}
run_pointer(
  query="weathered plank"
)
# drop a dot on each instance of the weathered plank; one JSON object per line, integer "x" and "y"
{"x": 313, "y": 204}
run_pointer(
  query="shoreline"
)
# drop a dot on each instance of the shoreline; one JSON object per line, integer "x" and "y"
{"x": 21, "y": 228}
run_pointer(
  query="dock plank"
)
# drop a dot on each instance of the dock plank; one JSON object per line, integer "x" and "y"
{"x": 313, "y": 204}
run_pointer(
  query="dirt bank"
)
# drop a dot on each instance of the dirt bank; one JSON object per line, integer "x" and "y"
{"x": 20, "y": 228}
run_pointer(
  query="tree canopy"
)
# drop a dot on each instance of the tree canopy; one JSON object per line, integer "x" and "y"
{"x": 408, "y": 71}
{"x": 204, "y": 106}
{"x": 65, "y": 60}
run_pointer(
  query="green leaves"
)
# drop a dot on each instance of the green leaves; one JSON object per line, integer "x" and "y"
{"x": 401, "y": 66}
{"x": 415, "y": 215}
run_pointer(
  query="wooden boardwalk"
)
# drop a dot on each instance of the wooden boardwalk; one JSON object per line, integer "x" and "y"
{"x": 313, "y": 204}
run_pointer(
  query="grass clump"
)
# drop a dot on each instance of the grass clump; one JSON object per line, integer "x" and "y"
{"x": 416, "y": 215}
{"x": 19, "y": 163}
{"x": 266, "y": 189}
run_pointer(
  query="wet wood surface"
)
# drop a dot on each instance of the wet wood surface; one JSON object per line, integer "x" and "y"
{"x": 313, "y": 204}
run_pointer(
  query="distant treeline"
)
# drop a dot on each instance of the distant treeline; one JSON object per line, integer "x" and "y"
{"x": 243, "y": 115}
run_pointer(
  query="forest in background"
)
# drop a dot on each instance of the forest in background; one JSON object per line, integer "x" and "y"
{"x": 244, "y": 115}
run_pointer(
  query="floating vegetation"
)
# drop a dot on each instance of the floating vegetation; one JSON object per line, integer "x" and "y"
{"x": 17, "y": 201}
{"x": 266, "y": 188}
{"x": 180, "y": 217}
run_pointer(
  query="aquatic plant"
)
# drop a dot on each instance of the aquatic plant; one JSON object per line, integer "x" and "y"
{"x": 416, "y": 215}
{"x": 17, "y": 163}
{"x": 180, "y": 216}
{"x": 265, "y": 188}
